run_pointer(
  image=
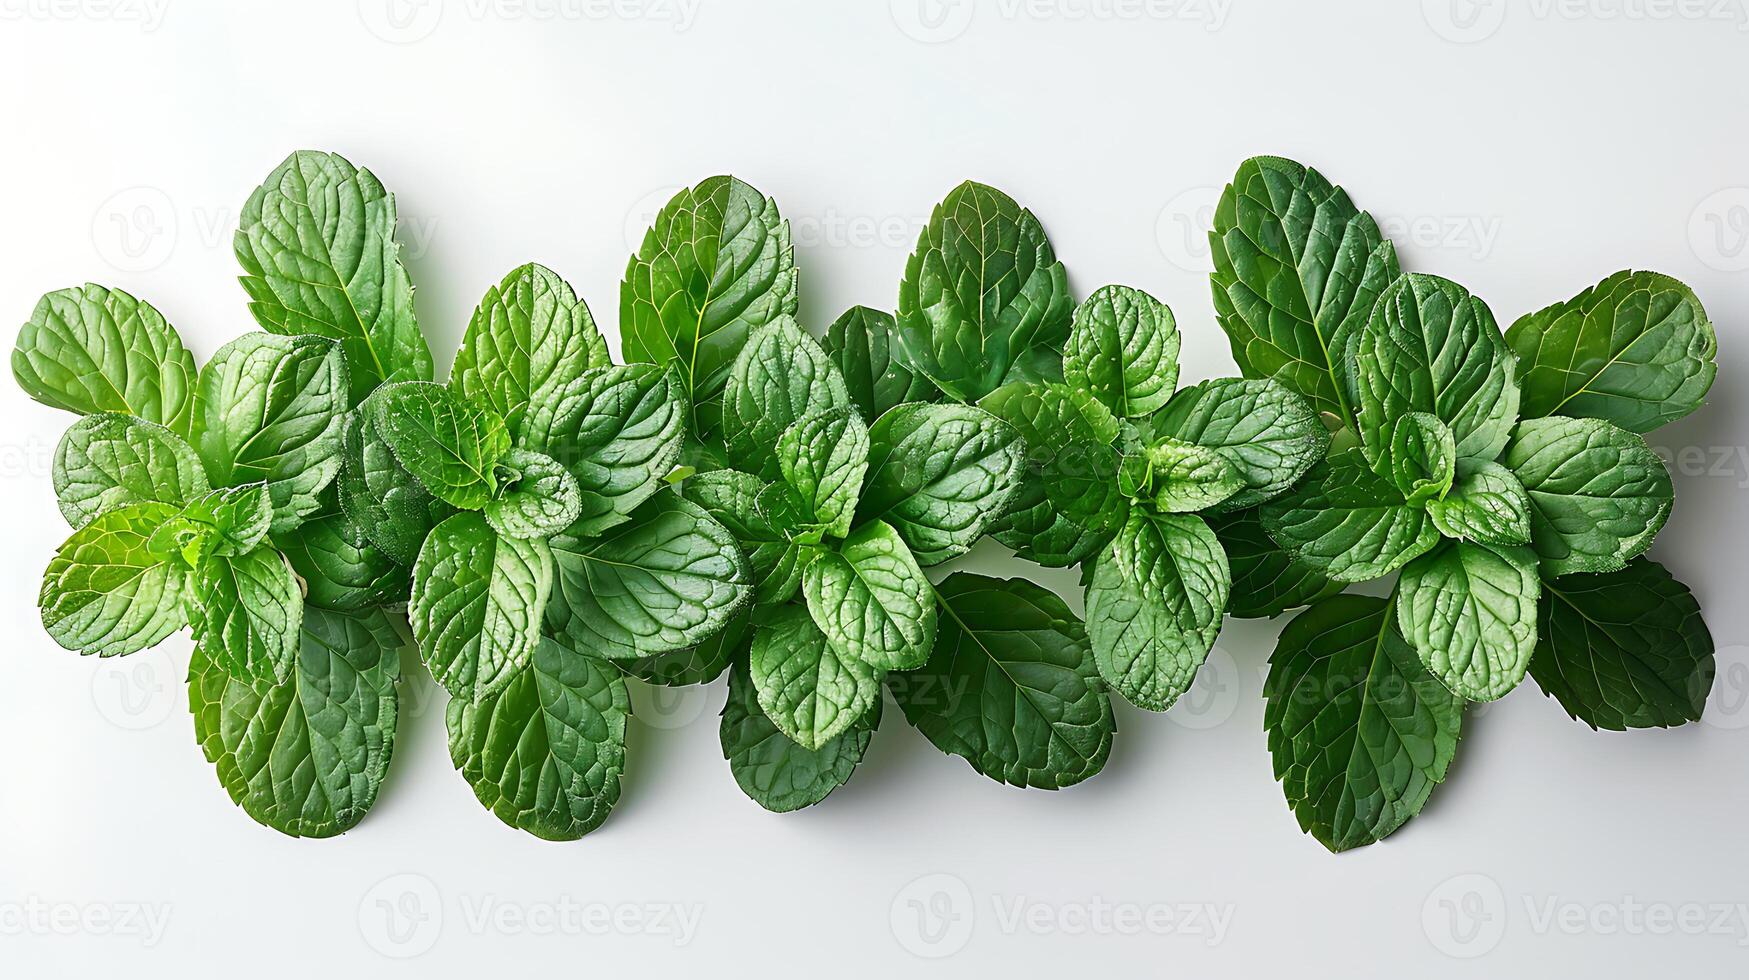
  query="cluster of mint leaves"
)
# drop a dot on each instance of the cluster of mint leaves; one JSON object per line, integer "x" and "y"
{"x": 1503, "y": 476}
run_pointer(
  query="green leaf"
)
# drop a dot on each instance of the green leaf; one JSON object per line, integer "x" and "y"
{"x": 1470, "y": 613}
{"x": 872, "y": 601}
{"x": 476, "y": 605}
{"x": 545, "y": 755}
{"x": 1267, "y": 581}
{"x": 823, "y": 458}
{"x": 1432, "y": 347}
{"x": 666, "y": 579}
{"x": 982, "y": 289}
{"x": 109, "y": 460}
{"x": 246, "y": 614}
{"x": 940, "y": 474}
{"x": 1347, "y": 522}
{"x": 90, "y": 349}
{"x": 1011, "y": 686}
{"x": 339, "y": 567}
{"x": 620, "y": 433}
{"x": 379, "y": 495}
{"x": 731, "y": 498}
{"x": 306, "y": 757}
{"x": 715, "y": 267}
{"x": 1298, "y": 269}
{"x": 1051, "y": 417}
{"x": 239, "y": 517}
{"x": 317, "y": 244}
{"x": 1624, "y": 649}
{"x": 274, "y": 408}
{"x": 1123, "y": 349}
{"x": 1085, "y": 483}
{"x": 449, "y": 445}
{"x": 781, "y": 377}
{"x": 1486, "y": 505}
{"x": 526, "y": 345}
{"x": 775, "y": 772}
{"x": 1154, "y": 606}
{"x": 1360, "y": 732}
{"x": 700, "y": 663}
{"x": 1179, "y": 477}
{"x": 1419, "y": 458}
{"x": 862, "y": 343}
{"x": 1037, "y": 533}
{"x": 539, "y": 497}
{"x": 1598, "y": 494}
{"x": 810, "y": 690}
{"x": 107, "y": 593}
{"x": 1270, "y": 435}
{"x": 1636, "y": 349}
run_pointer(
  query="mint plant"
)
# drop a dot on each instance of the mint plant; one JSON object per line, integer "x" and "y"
{"x": 1503, "y": 476}
{"x": 205, "y": 498}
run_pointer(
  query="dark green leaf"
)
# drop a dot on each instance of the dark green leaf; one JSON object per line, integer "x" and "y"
{"x": 775, "y": 772}
{"x": 450, "y": 445}
{"x": 1267, "y": 581}
{"x": 1598, "y": 494}
{"x": 620, "y": 433}
{"x": 339, "y": 567}
{"x": 810, "y": 690}
{"x": 700, "y": 663}
{"x": 1123, "y": 349}
{"x": 940, "y": 474}
{"x": 1270, "y": 435}
{"x": 781, "y": 377}
{"x": 476, "y": 605}
{"x": 863, "y": 345}
{"x": 377, "y": 493}
{"x": 1347, "y": 522}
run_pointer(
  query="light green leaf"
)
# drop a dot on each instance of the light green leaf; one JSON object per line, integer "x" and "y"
{"x": 1347, "y": 522}
{"x": 109, "y": 460}
{"x": 545, "y": 755}
{"x": 239, "y": 517}
{"x": 1360, "y": 732}
{"x": 306, "y": 757}
{"x": 317, "y": 244}
{"x": 872, "y": 601}
{"x": 1179, "y": 477}
{"x": 940, "y": 474}
{"x": 1598, "y": 494}
{"x": 449, "y": 445}
{"x": 775, "y": 772}
{"x": 476, "y": 605}
{"x": 1051, "y": 417}
{"x": 862, "y": 343}
{"x": 526, "y": 345}
{"x": 666, "y": 579}
{"x": 1298, "y": 269}
{"x": 1486, "y": 505}
{"x": 981, "y": 290}
{"x": 539, "y": 498}
{"x": 1625, "y": 649}
{"x": 781, "y": 377}
{"x": 89, "y": 349}
{"x": 1123, "y": 349}
{"x": 107, "y": 593}
{"x": 339, "y": 567}
{"x": 1271, "y": 435}
{"x": 1154, "y": 606}
{"x": 810, "y": 690}
{"x": 731, "y": 498}
{"x": 1011, "y": 686}
{"x": 379, "y": 495}
{"x": 823, "y": 458}
{"x": 1419, "y": 458}
{"x": 1636, "y": 349}
{"x": 274, "y": 408}
{"x": 620, "y": 433}
{"x": 1470, "y": 613}
{"x": 1267, "y": 581}
{"x": 246, "y": 614}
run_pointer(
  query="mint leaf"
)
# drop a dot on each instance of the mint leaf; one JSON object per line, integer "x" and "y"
{"x": 106, "y": 592}
{"x": 237, "y": 518}
{"x": 449, "y": 445}
{"x": 1154, "y": 606}
{"x": 700, "y": 663}
{"x": 731, "y": 498}
{"x": 1034, "y": 530}
{"x": 1624, "y": 649}
{"x": 1298, "y": 269}
{"x": 109, "y": 460}
{"x": 274, "y": 408}
{"x": 317, "y": 244}
{"x": 823, "y": 458}
{"x": 1359, "y": 731}
{"x": 872, "y": 601}
{"x": 981, "y": 290}
{"x": 1470, "y": 613}
{"x": 246, "y": 614}
{"x": 339, "y": 567}
{"x": 940, "y": 474}
{"x": 619, "y": 432}
{"x": 1179, "y": 477}
{"x": 1123, "y": 349}
{"x": 306, "y": 757}
{"x": 1486, "y": 504}
{"x": 546, "y": 753}
{"x": 1268, "y": 433}
{"x": 1598, "y": 494}
{"x": 1636, "y": 349}
{"x": 715, "y": 267}
{"x": 89, "y": 349}
{"x": 1419, "y": 458}
{"x": 781, "y": 377}
{"x": 1011, "y": 686}
{"x": 775, "y": 772}
{"x": 1050, "y": 418}
{"x": 666, "y": 579}
{"x": 1267, "y": 581}
{"x": 539, "y": 497}
{"x": 476, "y": 605}
{"x": 1347, "y": 522}
{"x": 379, "y": 495}
{"x": 862, "y": 343}
{"x": 526, "y": 344}
{"x": 808, "y": 688}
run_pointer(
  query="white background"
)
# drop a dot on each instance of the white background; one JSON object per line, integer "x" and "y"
{"x": 1525, "y": 152}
